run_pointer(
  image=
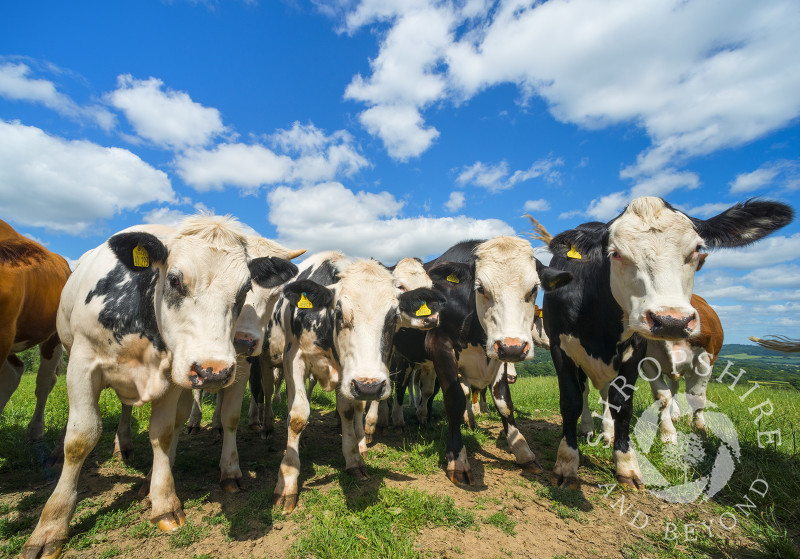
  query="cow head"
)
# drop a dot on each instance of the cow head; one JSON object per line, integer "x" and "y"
{"x": 540, "y": 338}
{"x": 507, "y": 279}
{"x": 260, "y": 301}
{"x": 204, "y": 275}
{"x": 364, "y": 308}
{"x": 419, "y": 304}
{"x": 655, "y": 250}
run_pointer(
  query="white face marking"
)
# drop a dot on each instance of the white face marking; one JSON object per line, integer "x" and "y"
{"x": 505, "y": 284}
{"x": 409, "y": 274}
{"x": 654, "y": 257}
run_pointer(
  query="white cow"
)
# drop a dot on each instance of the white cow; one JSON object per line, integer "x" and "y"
{"x": 151, "y": 314}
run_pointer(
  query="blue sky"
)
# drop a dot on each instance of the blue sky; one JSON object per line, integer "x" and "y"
{"x": 397, "y": 128}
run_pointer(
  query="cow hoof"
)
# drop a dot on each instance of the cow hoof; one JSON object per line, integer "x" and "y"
{"x": 170, "y": 521}
{"x": 192, "y": 429}
{"x": 368, "y": 438}
{"x": 668, "y": 437}
{"x": 231, "y": 485}
{"x": 565, "y": 482}
{"x": 460, "y": 477}
{"x": 217, "y": 434}
{"x": 357, "y": 472}
{"x": 285, "y": 502}
{"x": 50, "y": 550}
{"x": 532, "y": 467}
{"x": 255, "y": 427}
{"x": 630, "y": 482}
{"x": 125, "y": 455}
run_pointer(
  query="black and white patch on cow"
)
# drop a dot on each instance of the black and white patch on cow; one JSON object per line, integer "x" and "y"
{"x": 633, "y": 283}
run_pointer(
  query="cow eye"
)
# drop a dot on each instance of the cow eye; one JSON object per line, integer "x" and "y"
{"x": 531, "y": 296}
{"x": 174, "y": 281}
{"x": 614, "y": 255}
{"x": 479, "y": 288}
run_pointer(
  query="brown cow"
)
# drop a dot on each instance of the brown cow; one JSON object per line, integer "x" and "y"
{"x": 31, "y": 280}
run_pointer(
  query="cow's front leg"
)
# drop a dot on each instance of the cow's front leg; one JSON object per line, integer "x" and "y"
{"x": 587, "y": 422}
{"x": 620, "y": 400}
{"x": 196, "y": 415}
{"x": 216, "y": 418}
{"x": 269, "y": 375}
{"x": 230, "y": 474}
{"x": 256, "y": 409}
{"x": 50, "y": 358}
{"x": 123, "y": 440}
{"x": 565, "y": 472}
{"x": 398, "y": 420}
{"x": 696, "y": 386}
{"x": 371, "y": 421}
{"x": 82, "y": 433}
{"x": 425, "y": 389}
{"x": 350, "y": 411}
{"x": 286, "y": 489}
{"x": 501, "y": 394}
{"x": 469, "y": 415}
{"x": 167, "y": 511}
{"x": 662, "y": 395}
{"x": 440, "y": 348}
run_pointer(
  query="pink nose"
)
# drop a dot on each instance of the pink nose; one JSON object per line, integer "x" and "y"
{"x": 511, "y": 349}
{"x": 211, "y": 374}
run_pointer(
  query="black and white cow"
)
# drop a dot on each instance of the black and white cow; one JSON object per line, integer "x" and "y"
{"x": 490, "y": 289}
{"x": 335, "y": 322}
{"x": 633, "y": 282}
{"x": 151, "y": 314}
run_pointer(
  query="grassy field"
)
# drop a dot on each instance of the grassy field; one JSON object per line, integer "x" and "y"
{"x": 407, "y": 508}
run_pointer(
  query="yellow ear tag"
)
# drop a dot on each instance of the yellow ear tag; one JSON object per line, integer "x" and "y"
{"x": 140, "y": 257}
{"x": 541, "y": 313}
{"x": 573, "y": 253}
{"x": 423, "y": 310}
{"x": 452, "y": 278}
{"x": 304, "y": 303}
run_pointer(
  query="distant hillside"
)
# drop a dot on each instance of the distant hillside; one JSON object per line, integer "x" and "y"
{"x": 762, "y": 365}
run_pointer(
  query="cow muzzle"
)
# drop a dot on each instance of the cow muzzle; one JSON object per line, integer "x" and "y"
{"x": 367, "y": 388}
{"x": 511, "y": 350}
{"x": 245, "y": 344}
{"x": 211, "y": 375}
{"x": 671, "y": 324}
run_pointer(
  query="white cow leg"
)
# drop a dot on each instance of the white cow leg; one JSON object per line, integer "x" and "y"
{"x": 230, "y": 473}
{"x": 607, "y": 424}
{"x": 216, "y": 419}
{"x": 123, "y": 440}
{"x": 277, "y": 381}
{"x": 312, "y": 382}
{"x": 566, "y": 468}
{"x": 45, "y": 381}
{"x": 82, "y": 433}
{"x": 587, "y": 422}
{"x": 427, "y": 382}
{"x": 469, "y": 415}
{"x": 286, "y": 489}
{"x": 196, "y": 416}
{"x": 167, "y": 511}
{"x": 663, "y": 397}
{"x": 10, "y": 375}
{"x": 696, "y": 386}
{"x": 350, "y": 411}
{"x": 523, "y": 454}
{"x": 268, "y": 378}
{"x": 371, "y": 421}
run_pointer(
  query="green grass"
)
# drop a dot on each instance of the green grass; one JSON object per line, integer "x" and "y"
{"x": 501, "y": 521}
{"x": 380, "y": 526}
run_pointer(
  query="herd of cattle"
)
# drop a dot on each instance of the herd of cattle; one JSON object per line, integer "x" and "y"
{"x": 157, "y": 313}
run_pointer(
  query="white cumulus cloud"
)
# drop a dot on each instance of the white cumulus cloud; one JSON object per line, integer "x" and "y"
{"x": 69, "y": 185}
{"x": 168, "y": 118}
{"x": 329, "y": 216}
{"x": 540, "y": 205}
{"x": 455, "y": 202}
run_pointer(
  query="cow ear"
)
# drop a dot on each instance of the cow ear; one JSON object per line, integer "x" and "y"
{"x": 271, "y": 271}
{"x": 744, "y": 223}
{"x": 451, "y": 272}
{"x": 138, "y": 250}
{"x": 423, "y": 300}
{"x": 552, "y": 278}
{"x": 307, "y": 294}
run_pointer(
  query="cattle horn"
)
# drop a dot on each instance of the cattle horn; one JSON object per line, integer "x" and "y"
{"x": 295, "y": 253}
